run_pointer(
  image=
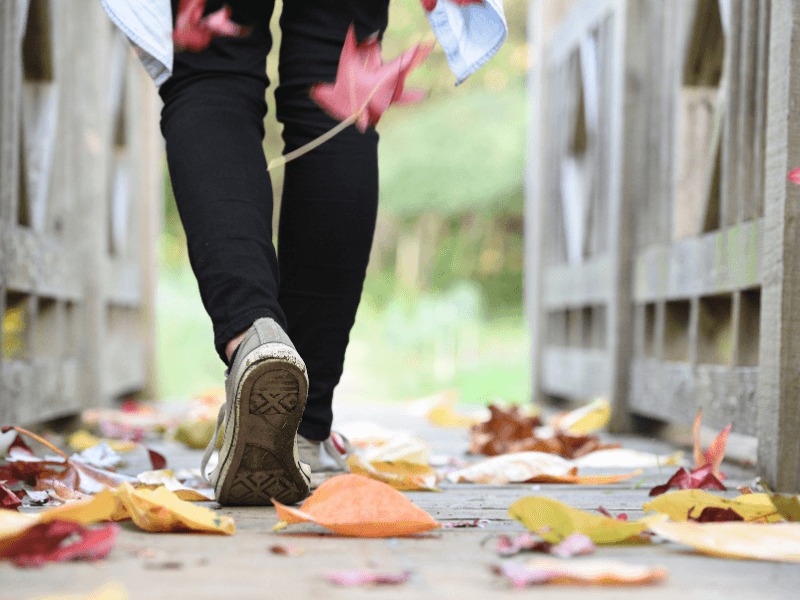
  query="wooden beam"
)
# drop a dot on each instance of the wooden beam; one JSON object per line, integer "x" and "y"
{"x": 779, "y": 378}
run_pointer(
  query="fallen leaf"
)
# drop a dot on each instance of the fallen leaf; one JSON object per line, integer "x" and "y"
{"x": 161, "y": 510}
{"x": 8, "y": 499}
{"x": 110, "y": 591}
{"x": 83, "y": 440}
{"x": 45, "y": 542}
{"x": 194, "y": 32}
{"x": 508, "y": 546}
{"x": 286, "y": 550}
{"x": 554, "y": 521}
{"x": 714, "y": 514}
{"x": 157, "y": 459}
{"x": 794, "y": 174}
{"x": 443, "y": 413}
{"x": 363, "y": 577}
{"x": 584, "y": 420}
{"x": 165, "y": 477}
{"x": 365, "y": 87}
{"x": 699, "y": 479}
{"x": 787, "y": 506}
{"x": 403, "y": 476}
{"x": 775, "y": 541}
{"x": 100, "y": 455}
{"x": 529, "y": 467}
{"x": 463, "y": 524}
{"x": 575, "y": 544}
{"x": 400, "y": 448}
{"x": 624, "y": 458}
{"x": 676, "y": 505}
{"x": 356, "y": 506}
{"x": 541, "y": 571}
{"x": 715, "y": 452}
{"x": 605, "y": 513}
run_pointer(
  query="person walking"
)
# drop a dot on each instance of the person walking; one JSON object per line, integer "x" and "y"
{"x": 281, "y": 320}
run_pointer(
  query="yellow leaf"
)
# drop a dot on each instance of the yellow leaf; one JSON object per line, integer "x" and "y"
{"x": 676, "y": 505}
{"x": 403, "y": 476}
{"x": 554, "y": 521}
{"x": 104, "y": 506}
{"x": 443, "y": 413}
{"x": 110, "y": 591}
{"x": 12, "y": 523}
{"x": 152, "y": 479}
{"x": 197, "y": 434}
{"x": 83, "y": 440}
{"x": 584, "y": 420}
{"x": 161, "y": 510}
{"x": 774, "y": 541}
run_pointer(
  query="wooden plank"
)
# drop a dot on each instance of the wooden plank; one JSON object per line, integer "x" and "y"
{"x": 535, "y": 194}
{"x": 730, "y": 183}
{"x": 37, "y": 390}
{"x": 713, "y": 263}
{"x": 673, "y": 392}
{"x": 576, "y": 373}
{"x": 10, "y": 91}
{"x": 779, "y": 377}
{"x": 578, "y": 285}
{"x": 38, "y": 263}
{"x": 585, "y": 15}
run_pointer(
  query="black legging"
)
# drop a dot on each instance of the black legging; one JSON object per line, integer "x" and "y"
{"x": 213, "y": 123}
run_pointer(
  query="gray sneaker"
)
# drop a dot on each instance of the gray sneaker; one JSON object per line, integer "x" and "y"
{"x": 324, "y": 458}
{"x": 265, "y": 394}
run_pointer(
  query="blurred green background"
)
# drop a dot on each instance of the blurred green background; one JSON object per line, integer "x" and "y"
{"x": 442, "y": 305}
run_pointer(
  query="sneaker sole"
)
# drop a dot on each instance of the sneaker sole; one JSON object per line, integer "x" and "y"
{"x": 261, "y": 463}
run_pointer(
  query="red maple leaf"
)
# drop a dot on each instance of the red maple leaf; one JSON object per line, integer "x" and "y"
{"x": 194, "y": 32}
{"x": 365, "y": 87}
{"x": 59, "y": 541}
{"x": 716, "y": 451}
{"x": 701, "y": 478}
{"x": 429, "y": 5}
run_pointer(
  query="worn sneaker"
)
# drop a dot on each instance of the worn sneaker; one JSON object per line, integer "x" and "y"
{"x": 265, "y": 394}
{"x": 326, "y": 459}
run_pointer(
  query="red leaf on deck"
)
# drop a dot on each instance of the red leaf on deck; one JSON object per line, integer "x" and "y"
{"x": 508, "y": 546}
{"x": 429, "y": 5}
{"x": 713, "y": 514}
{"x": 8, "y": 499}
{"x": 701, "y": 478}
{"x": 52, "y": 542}
{"x": 364, "y": 85}
{"x": 605, "y": 513}
{"x": 194, "y": 32}
{"x": 715, "y": 452}
{"x": 794, "y": 174}
{"x": 157, "y": 460}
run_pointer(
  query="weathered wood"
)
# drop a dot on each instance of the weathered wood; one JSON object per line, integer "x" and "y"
{"x": 588, "y": 282}
{"x": 576, "y": 372}
{"x": 73, "y": 246}
{"x": 713, "y": 263}
{"x": 779, "y": 377}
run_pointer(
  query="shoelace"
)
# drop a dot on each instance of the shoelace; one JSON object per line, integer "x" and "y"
{"x": 222, "y": 417}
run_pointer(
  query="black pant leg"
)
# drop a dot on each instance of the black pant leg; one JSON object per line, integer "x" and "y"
{"x": 213, "y": 123}
{"x": 330, "y": 197}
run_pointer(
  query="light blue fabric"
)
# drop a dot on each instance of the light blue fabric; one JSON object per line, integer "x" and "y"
{"x": 148, "y": 26}
{"x": 470, "y": 35}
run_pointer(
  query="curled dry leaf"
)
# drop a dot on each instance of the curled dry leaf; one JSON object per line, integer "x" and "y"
{"x": 787, "y": 506}
{"x": 701, "y": 478}
{"x": 364, "y": 577}
{"x": 548, "y": 571}
{"x": 775, "y": 541}
{"x": 402, "y": 475}
{"x": 584, "y": 420}
{"x": 530, "y": 467}
{"x": 8, "y": 499}
{"x": 54, "y": 542}
{"x": 356, "y": 506}
{"x": 286, "y": 550}
{"x": 716, "y": 451}
{"x": 554, "y": 521}
{"x": 166, "y": 478}
{"x": 677, "y": 505}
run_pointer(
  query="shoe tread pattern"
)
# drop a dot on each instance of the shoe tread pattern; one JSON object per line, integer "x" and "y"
{"x": 259, "y": 478}
{"x": 275, "y": 393}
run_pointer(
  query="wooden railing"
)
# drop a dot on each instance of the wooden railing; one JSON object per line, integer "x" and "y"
{"x": 663, "y": 259}
{"x": 80, "y": 197}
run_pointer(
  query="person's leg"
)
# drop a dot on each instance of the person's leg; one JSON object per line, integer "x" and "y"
{"x": 330, "y": 197}
{"x": 213, "y": 123}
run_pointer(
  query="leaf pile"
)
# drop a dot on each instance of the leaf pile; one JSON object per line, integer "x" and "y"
{"x": 509, "y": 431}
